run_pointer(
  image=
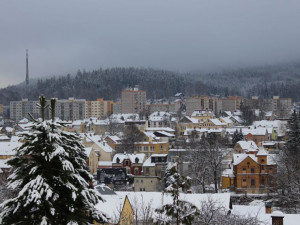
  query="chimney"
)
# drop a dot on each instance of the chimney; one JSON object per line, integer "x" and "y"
{"x": 277, "y": 218}
{"x": 268, "y": 206}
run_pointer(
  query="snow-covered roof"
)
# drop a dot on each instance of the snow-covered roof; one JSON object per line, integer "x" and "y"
{"x": 149, "y": 134}
{"x": 228, "y": 172}
{"x": 3, "y": 164}
{"x": 88, "y": 150}
{"x": 167, "y": 129}
{"x": 202, "y": 113}
{"x": 226, "y": 119}
{"x": 4, "y": 137}
{"x": 105, "y": 163}
{"x": 217, "y": 122}
{"x": 15, "y": 138}
{"x": 238, "y": 158}
{"x": 248, "y": 145}
{"x": 237, "y": 118}
{"x": 166, "y": 133}
{"x": 159, "y": 116}
{"x": 260, "y": 131}
{"x": 8, "y": 148}
{"x": 148, "y": 163}
{"x": 259, "y": 212}
{"x": 266, "y": 123}
{"x": 157, "y": 199}
{"x": 9, "y": 129}
{"x": 229, "y": 113}
{"x": 112, "y": 206}
{"x": 262, "y": 152}
{"x": 131, "y": 157}
{"x": 26, "y": 126}
{"x": 191, "y": 119}
{"x": 100, "y": 143}
{"x": 114, "y": 138}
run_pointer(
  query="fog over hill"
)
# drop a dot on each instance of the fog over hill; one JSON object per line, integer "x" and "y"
{"x": 267, "y": 81}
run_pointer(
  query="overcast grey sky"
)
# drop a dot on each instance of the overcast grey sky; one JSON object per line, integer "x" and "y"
{"x": 64, "y": 36}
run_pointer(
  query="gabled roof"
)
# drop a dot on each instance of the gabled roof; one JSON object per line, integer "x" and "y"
{"x": 100, "y": 143}
{"x": 156, "y": 199}
{"x": 238, "y": 158}
{"x": 248, "y": 145}
{"x": 8, "y": 148}
{"x": 131, "y": 157}
{"x": 217, "y": 122}
{"x": 188, "y": 119}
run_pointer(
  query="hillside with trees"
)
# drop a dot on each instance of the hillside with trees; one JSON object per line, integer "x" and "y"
{"x": 267, "y": 81}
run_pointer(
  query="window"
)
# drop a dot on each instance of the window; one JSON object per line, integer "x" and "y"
{"x": 147, "y": 170}
{"x": 244, "y": 182}
{"x": 252, "y": 170}
{"x": 142, "y": 181}
{"x": 244, "y": 169}
{"x": 136, "y": 181}
{"x": 252, "y": 182}
{"x": 126, "y": 163}
{"x": 136, "y": 171}
{"x": 142, "y": 189}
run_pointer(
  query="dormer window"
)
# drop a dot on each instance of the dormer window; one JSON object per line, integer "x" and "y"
{"x": 118, "y": 160}
{"x": 262, "y": 161}
{"x": 136, "y": 160}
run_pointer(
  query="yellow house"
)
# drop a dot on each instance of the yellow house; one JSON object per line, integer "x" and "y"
{"x": 213, "y": 124}
{"x": 203, "y": 115}
{"x": 187, "y": 123}
{"x": 117, "y": 208}
{"x": 93, "y": 159}
{"x": 98, "y": 144}
{"x": 149, "y": 147}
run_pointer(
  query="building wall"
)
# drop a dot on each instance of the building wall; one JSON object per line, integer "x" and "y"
{"x": 192, "y": 104}
{"x": 133, "y": 101}
{"x": 148, "y": 184}
{"x": 99, "y": 109}
{"x": 150, "y": 148}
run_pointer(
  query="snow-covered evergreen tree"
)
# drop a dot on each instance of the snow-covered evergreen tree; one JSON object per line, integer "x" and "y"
{"x": 237, "y": 136}
{"x": 50, "y": 174}
{"x": 293, "y": 143}
{"x": 180, "y": 211}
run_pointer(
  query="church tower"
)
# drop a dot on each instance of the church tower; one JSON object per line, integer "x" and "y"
{"x": 27, "y": 70}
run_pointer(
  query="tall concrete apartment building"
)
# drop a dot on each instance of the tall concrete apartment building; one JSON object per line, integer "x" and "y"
{"x": 280, "y": 106}
{"x": 133, "y": 100}
{"x": 20, "y": 109}
{"x": 99, "y": 109}
{"x": 203, "y": 103}
{"x": 65, "y": 109}
{"x": 231, "y": 103}
{"x": 2, "y": 109}
{"x": 70, "y": 109}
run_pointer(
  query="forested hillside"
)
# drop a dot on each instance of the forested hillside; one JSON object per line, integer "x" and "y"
{"x": 106, "y": 84}
{"x": 283, "y": 80}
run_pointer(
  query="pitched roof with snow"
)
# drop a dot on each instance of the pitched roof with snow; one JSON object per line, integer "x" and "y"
{"x": 248, "y": 145}
{"x": 238, "y": 158}
{"x": 167, "y": 129}
{"x": 156, "y": 199}
{"x": 217, "y": 122}
{"x": 8, "y": 148}
{"x": 258, "y": 212}
{"x": 100, "y": 143}
{"x": 131, "y": 157}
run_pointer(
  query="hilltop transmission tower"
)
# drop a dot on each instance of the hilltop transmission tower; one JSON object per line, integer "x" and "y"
{"x": 27, "y": 70}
